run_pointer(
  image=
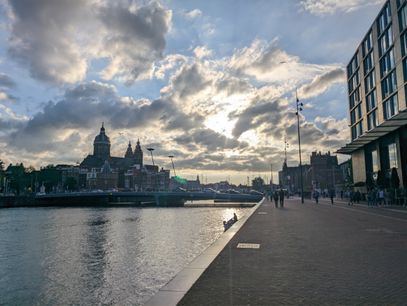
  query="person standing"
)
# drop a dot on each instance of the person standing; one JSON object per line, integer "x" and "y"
{"x": 275, "y": 198}
{"x": 281, "y": 196}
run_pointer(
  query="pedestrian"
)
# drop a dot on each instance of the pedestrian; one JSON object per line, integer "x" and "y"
{"x": 234, "y": 217}
{"x": 369, "y": 198}
{"x": 281, "y": 196}
{"x": 332, "y": 195}
{"x": 380, "y": 197}
{"x": 341, "y": 194}
{"x": 275, "y": 198}
{"x": 316, "y": 196}
{"x": 358, "y": 196}
{"x": 351, "y": 198}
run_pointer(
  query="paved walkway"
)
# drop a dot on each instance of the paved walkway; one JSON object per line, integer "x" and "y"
{"x": 310, "y": 255}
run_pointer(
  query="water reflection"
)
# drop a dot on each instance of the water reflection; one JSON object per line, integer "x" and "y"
{"x": 91, "y": 256}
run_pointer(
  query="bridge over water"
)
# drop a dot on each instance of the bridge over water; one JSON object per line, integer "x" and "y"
{"x": 122, "y": 199}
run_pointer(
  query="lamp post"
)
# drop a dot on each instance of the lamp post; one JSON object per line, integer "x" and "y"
{"x": 297, "y": 113}
{"x": 173, "y": 168}
{"x": 151, "y": 152}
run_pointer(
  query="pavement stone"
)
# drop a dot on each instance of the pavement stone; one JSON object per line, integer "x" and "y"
{"x": 310, "y": 255}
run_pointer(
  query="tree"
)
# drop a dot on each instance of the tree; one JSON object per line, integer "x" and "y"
{"x": 258, "y": 183}
{"x": 381, "y": 179}
{"x": 71, "y": 184}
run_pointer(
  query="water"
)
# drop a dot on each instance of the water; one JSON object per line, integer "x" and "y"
{"x": 99, "y": 256}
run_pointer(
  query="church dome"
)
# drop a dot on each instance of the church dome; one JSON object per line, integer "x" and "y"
{"x": 102, "y": 137}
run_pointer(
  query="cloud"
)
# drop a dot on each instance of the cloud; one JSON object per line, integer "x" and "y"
{"x": 322, "y": 82}
{"x": 266, "y": 62}
{"x": 329, "y": 7}
{"x": 193, "y": 14}
{"x": 84, "y": 106}
{"x": 57, "y": 40}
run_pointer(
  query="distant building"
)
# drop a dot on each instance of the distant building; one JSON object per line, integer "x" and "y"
{"x": 128, "y": 171}
{"x": 325, "y": 172}
{"x": 290, "y": 178}
{"x": 101, "y": 153}
{"x": 377, "y": 77}
{"x": 103, "y": 179}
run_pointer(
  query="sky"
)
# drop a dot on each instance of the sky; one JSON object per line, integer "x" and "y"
{"x": 211, "y": 82}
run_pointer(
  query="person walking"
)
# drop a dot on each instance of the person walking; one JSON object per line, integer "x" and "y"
{"x": 275, "y": 198}
{"x": 332, "y": 195}
{"x": 315, "y": 195}
{"x": 281, "y": 196}
{"x": 351, "y": 198}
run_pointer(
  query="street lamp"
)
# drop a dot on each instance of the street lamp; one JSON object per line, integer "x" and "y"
{"x": 297, "y": 113}
{"x": 171, "y": 157}
{"x": 151, "y": 151}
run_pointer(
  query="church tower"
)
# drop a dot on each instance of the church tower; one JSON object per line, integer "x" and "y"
{"x": 138, "y": 154}
{"x": 101, "y": 145}
{"x": 129, "y": 151}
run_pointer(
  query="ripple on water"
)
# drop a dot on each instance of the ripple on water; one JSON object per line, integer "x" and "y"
{"x": 84, "y": 256}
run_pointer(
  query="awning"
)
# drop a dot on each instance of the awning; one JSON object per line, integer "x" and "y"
{"x": 385, "y": 128}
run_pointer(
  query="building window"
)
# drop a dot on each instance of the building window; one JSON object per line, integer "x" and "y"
{"x": 403, "y": 18}
{"x": 389, "y": 85}
{"x": 354, "y": 98}
{"x": 393, "y": 155}
{"x": 403, "y": 39}
{"x": 371, "y": 101}
{"x": 375, "y": 166}
{"x": 371, "y": 120}
{"x": 384, "y": 18}
{"x": 390, "y": 107}
{"x": 385, "y": 41}
{"x": 367, "y": 43}
{"x": 368, "y": 62}
{"x": 387, "y": 63}
{"x": 405, "y": 69}
{"x": 353, "y": 65}
{"x": 353, "y": 117}
{"x": 354, "y": 81}
{"x": 370, "y": 81}
{"x": 357, "y": 130}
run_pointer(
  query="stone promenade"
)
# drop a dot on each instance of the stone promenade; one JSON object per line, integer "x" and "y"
{"x": 310, "y": 255}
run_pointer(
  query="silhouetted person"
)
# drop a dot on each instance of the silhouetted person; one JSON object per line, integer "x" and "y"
{"x": 281, "y": 196}
{"x": 332, "y": 195}
{"x": 316, "y": 196}
{"x": 275, "y": 198}
{"x": 234, "y": 217}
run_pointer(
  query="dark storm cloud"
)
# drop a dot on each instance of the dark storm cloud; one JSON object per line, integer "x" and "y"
{"x": 56, "y": 40}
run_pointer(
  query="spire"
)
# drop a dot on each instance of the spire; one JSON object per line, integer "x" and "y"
{"x": 129, "y": 151}
{"x": 102, "y": 129}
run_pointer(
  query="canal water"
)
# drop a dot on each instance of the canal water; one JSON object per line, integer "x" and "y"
{"x": 99, "y": 256}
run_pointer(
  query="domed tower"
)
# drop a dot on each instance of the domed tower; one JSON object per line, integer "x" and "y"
{"x": 138, "y": 154}
{"x": 129, "y": 151}
{"x": 101, "y": 145}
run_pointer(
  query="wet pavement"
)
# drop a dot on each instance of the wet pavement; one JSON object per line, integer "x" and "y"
{"x": 310, "y": 255}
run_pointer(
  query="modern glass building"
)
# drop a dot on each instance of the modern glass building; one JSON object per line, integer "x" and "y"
{"x": 377, "y": 88}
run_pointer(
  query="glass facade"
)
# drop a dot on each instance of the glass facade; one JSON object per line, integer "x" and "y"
{"x": 371, "y": 101}
{"x": 370, "y": 81}
{"x": 371, "y": 120}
